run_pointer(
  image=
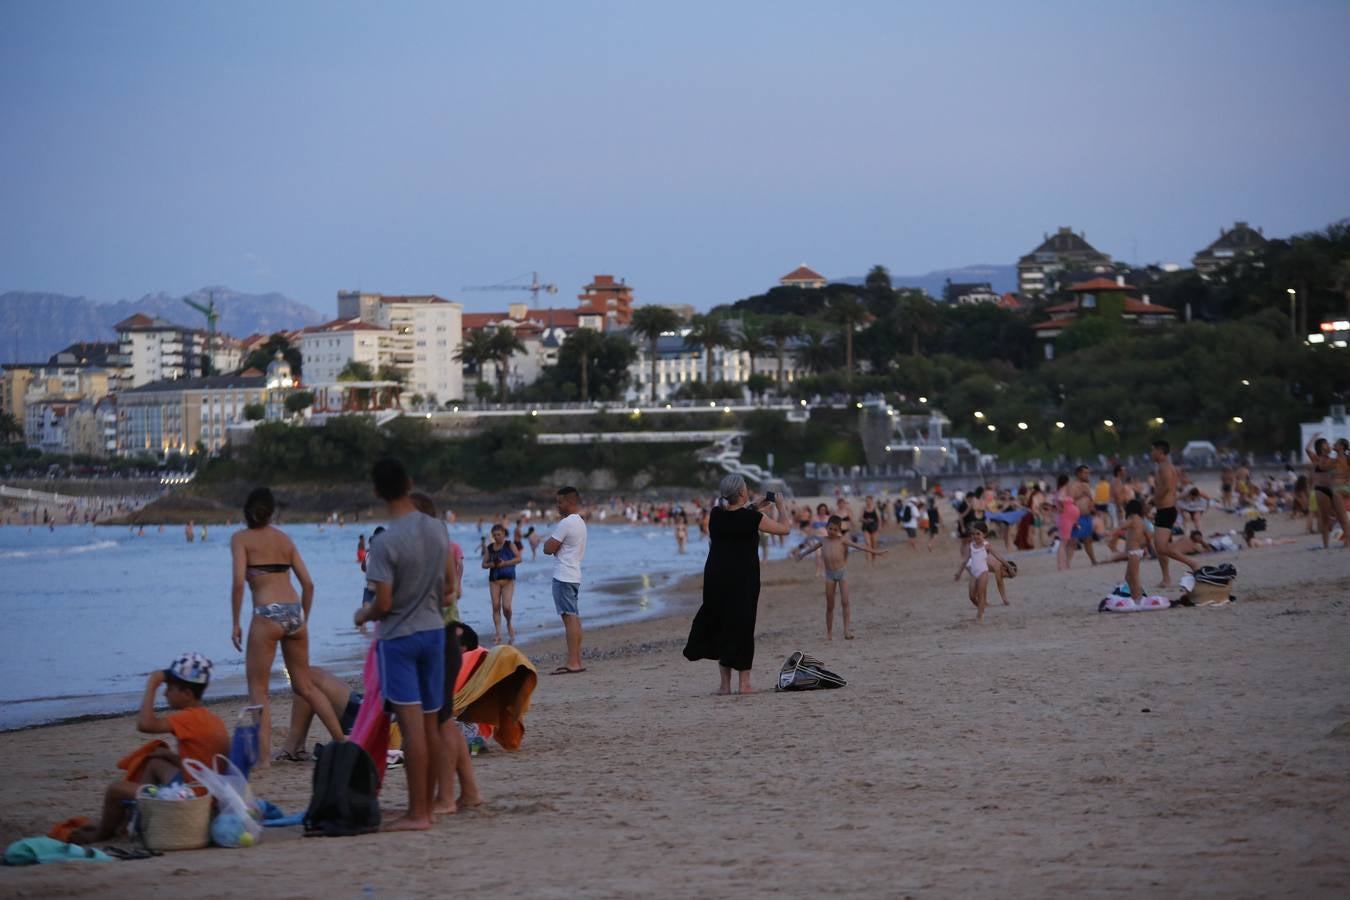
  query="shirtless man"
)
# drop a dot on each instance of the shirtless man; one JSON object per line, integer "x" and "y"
{"x": 1081, "y": 494}
{"x": 1165, "y": 512}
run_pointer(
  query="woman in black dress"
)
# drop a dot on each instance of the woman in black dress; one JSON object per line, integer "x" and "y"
{"x": 724, "y": 628}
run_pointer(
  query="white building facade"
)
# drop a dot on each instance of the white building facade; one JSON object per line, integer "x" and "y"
{"x": 425, "y": 332}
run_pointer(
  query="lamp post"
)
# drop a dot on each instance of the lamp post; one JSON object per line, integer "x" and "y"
{"x": 1293, "y": 327}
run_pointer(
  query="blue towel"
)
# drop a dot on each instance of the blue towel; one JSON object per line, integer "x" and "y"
{"x": 275, "y": 817}
{"x": 29, "y": 851}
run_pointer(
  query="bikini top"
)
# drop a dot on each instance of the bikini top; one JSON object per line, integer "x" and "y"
{"x": 256, "y": 569}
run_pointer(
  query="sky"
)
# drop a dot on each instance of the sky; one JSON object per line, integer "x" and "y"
{"x": 699, "y": 150}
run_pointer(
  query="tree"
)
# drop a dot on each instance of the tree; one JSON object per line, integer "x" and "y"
{"x": 356, "y": 371}
{"x": 262, "y": 356}
{"x": 780, "y": 330}
{"x": 418, "y": 400}
{"x": 298, "y": 402}
{"x": 751, "y": 341}
{"x": 475, "y": 351}
{"x": 649, "y": 323}
{"x": 10, "y": 429}
{"x": 708, "y": 332}
{"x": 878, "y": 280}
{"x": 255, "y": 412}
{"x": 584, "y": 345}
{"x": 918, "y": 318}
{"x": 503, "y": 345}
{"x": 815, "y": 353}
{"x": 391, "y": 372}
{"x": 758, "y": 384}
{"x": 849, "y": 312}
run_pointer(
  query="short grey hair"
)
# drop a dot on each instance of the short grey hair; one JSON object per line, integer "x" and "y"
{"x": 730, "y": 486}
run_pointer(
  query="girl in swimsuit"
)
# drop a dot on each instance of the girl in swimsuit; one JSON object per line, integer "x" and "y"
{"x": 1322, "y": 477}
{"x": 263, "y": 558}
{"x": 500, "y": 559}
{"x": 1065, "y": 518}
{"x": 681, "y": 531}
{"x": 871, "y": 524}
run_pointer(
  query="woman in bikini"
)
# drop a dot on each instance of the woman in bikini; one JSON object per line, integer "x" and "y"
{"x": 1322, "y": 478}
{"x": 263, "y": 557}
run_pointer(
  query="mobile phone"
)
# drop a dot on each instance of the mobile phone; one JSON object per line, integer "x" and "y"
{"x": 770, "y": 496}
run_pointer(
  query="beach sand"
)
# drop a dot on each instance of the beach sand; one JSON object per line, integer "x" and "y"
{"x": 1052, "y": 751}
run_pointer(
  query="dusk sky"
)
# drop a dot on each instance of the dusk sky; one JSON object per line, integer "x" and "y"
{"x": 697, "y": 149}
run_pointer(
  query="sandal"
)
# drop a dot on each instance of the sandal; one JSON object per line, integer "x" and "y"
{"x": 299, "y": 756}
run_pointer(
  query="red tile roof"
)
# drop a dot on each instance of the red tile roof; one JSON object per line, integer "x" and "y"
{"x": 802, "y": 273}
{"x": 565, "y": 319}
{"x": 413, "y": 298}
{"x": 1101, "y": 284}
{"x": 340, "y": 325}
{"x": 1071, "y": 306}
{"x": 1139, "y": 307}
{"x": 1008, "y": 301}
{"x": 1054, "y": 323}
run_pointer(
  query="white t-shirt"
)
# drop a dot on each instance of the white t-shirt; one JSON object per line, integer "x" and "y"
{"x": 571, "y": 533}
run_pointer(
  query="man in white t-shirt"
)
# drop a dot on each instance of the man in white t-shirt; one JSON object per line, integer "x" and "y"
{"x": 567, "y": 546}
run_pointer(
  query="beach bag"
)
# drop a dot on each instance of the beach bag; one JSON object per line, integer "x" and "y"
{"x": 244, "y": 742}
{"x": 238, "y": 821}
{"x": 165, "y": 820}
{"x": 806, "y": 673}
{"x": 345, "y": 798}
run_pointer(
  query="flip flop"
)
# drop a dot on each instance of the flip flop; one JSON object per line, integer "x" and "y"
{"x": 563, "y": 670}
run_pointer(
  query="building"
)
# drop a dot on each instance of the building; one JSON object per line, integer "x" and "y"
{"x": 606, "y": 302}
{"x": 175, "y": 415}
{"x": 542, "y": 331}
{"x": 1235, "y": 244}
{"x": 679, "y": 363}
{"x": 14, "y": 381}
{"x": 969, "y": 293}
{"x": 1063, "y": 251}
{"x": 802, "y": 277}
{"x": 327, "y": 349}
{"x": 425, "y": 333}
{"x": 154, "y": 349}
{"x": 1102, "y": 297}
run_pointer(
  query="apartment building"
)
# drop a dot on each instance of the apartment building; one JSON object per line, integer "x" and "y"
{"x": 327, "y": 349}
{"x": 155, "y": 349}
{"x": 175, "y": 415}
{"x": 1063, "y": 251}
{"x": 1233, "y": 245}
{"x": 424, "y": 336}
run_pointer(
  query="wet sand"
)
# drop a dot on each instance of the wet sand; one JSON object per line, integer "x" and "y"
{"x": 1052, "y": 751}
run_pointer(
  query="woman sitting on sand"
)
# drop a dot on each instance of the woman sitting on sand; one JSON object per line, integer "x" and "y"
{"x": 724, "y": 628}
{"x": 263, "y": 558}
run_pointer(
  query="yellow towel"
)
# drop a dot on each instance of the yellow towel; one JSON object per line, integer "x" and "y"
{"x": 498, "y": 694}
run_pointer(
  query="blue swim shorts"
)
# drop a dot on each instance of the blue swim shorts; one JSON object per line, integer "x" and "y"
{"x": 565, "y": 597}
{"x": 1082, "y": 529}
{"x": 412, "y": 669}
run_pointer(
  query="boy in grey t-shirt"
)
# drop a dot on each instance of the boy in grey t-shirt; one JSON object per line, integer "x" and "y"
{"x": 410, "y": 567}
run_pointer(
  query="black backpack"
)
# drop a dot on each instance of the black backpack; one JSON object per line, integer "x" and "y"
{"x": 345, "y": 799}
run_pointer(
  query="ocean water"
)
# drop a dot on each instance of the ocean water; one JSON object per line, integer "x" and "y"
{"x": 89, "y": 611}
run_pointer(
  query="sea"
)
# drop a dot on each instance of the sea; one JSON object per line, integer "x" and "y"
{"x": 89, "y": 611}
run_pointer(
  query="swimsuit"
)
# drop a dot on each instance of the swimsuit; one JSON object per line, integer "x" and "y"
{"x": 290, "y": 616}
{"x": 1082, "y": 529}
{"x": 869, "y": 521}
{"x": 257, "y": 569}
{"x": 502, "y": 573}
{"x": 1165, "y": 517}
{"x": 978, "y": 564}
{"x": 836, "y": 575}
{"x": 1139, "y": 554}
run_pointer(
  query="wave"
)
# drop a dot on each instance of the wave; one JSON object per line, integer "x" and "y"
{"x": 57, "y": 551}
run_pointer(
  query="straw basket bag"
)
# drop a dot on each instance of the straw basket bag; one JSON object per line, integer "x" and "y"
{"x": 174, "y": 824}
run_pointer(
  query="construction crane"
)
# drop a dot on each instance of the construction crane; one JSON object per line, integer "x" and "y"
{"x": 209, "y": 310}
{"x": 534, "y": 287}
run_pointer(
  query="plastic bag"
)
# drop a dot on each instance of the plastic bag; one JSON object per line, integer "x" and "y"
{"x": 240, "y": 827}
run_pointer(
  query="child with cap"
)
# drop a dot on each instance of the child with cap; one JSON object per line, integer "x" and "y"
{"x": 199, "y": 732}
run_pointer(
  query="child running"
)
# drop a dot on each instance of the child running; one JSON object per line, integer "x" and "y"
{"x": 834, "y": 552}
{"x": 975, "y": 560}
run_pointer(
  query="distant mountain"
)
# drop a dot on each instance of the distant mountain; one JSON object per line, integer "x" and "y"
{"x": 1003, "y": 278}
{"x": 33, "y": 326}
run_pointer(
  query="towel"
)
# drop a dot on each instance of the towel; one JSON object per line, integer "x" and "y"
{"x": 497, "y": 693}
{"x": 371, "y": 729}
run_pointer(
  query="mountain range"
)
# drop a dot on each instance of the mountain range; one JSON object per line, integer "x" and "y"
{"x": 34, "y": 325}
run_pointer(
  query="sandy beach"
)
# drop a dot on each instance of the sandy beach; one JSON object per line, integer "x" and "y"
{"x": 1052, "y": 751}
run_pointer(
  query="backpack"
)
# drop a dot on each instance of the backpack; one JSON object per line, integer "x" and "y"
{"x": 345, "y": 797}
{"x": 908, "y": 514}
{"x": 806, "y": 673}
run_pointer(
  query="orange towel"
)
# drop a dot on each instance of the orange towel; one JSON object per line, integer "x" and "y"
{"x": 497, "y": 693}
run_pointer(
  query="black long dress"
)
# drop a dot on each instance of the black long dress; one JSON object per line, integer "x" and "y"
{"x": 724, "y": 628}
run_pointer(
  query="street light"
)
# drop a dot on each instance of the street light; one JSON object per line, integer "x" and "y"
{"x": 1059, "y": 424}
{"x": 1108, "y": 423}
{"x": 1237, "y": 420}
{"x": 1246, "y": 383}
{"x": 1293, "y": 295}
{"x": 978, "y": 414}
{"x": 1021, "y": 426}
{"x": 992, "y": 427}
{"x": 923, "y": 399}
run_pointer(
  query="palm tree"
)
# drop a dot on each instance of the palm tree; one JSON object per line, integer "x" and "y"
{"x": 751, "y": 341}
{"x": 815, "y": 353}
{"x": 475, "y": 351}
{"x": 708, "y": 332}
{"x": 586, "y": 343}
{"x": 390, "y": 372}
{"x": 849, "y": 312}
{"x": 504, "y": 344}
{"x": 780, "y": 330}
{"x": 919, "y": 317}
{"x": 649, "y": 323}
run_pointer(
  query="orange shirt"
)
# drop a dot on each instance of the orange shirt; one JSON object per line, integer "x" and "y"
{"x": 200, "y": 733}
